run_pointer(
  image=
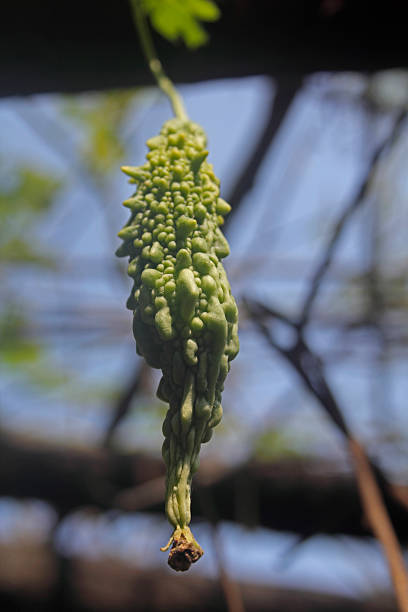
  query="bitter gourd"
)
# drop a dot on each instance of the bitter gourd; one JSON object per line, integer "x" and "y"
{"x": 185, "y": 318}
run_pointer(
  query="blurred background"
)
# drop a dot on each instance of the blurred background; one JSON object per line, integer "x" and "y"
{"x": 305, "y": 114}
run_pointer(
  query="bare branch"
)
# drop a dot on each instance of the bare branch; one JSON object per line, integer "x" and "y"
{"x": 122, "y": 406}
{"x": 286, "y": 90}
{"x": 310, "y": 369}
{"x": 351, "y": 208}
{"x": 379, "y": 520}
{"x": 300, "y": 357}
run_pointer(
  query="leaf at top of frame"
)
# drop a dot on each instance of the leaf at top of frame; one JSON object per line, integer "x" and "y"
{"x": 180, "y": 19}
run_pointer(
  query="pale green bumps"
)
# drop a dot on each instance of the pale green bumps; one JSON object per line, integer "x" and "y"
{"x": 185, "y": 318}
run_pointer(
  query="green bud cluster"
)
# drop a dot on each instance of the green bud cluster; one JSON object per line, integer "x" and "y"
{"x": 185, "y": 318}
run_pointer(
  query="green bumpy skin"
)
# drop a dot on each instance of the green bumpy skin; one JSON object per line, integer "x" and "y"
{"x": 185, "y": 318}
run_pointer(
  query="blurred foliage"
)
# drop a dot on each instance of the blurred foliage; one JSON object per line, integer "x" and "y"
{"x": 23, "y": 355}
{"x": 19, "y": 251}
{"x": 23, "y": 200}
{"x": 274, "y": 444}
{"x": 100, "y": 118}
{"x": 26, "y": 194}
{"x": 26, "y": 197}
{"x": 28, "y": 359}
{"x": 180, "y": 19}
{"x": 31, "y": 192}
{"x": 15, "y": 348}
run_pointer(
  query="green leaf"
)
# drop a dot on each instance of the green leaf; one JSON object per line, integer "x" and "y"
{"x": 180, "y": 19}
{"x": 205, "y": 10}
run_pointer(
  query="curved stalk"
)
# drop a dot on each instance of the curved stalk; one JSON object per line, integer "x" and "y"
{"x": 156, "y": 68}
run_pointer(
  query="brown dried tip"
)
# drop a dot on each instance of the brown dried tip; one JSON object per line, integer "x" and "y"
{"x": 183, "y": 554}
{"x": 184, "y": 550}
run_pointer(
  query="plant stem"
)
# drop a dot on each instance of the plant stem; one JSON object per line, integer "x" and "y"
{"x": 154, "y": 63}
{"x": 380, "y": 522}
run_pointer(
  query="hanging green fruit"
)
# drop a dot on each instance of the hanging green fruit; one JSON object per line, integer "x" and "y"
{"x": 185, "y": 319}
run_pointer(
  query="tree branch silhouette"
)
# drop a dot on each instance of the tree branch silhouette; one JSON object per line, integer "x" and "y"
{"x": 350, "y": 209}
{"x": 279, "y": 105}
{"x": 310, "y": 369}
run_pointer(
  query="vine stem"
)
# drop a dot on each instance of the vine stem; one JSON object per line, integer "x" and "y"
{"x": 156, "y": 68}
{"x": 377, "y": 515}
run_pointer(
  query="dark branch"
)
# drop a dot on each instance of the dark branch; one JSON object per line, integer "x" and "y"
{"x": 350, "y": 209}
{"x": 279, "y": 104}
{"x": 303, "y": 360}
{"x": 309, "y": 368}
{"x": 123, "y": 404}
